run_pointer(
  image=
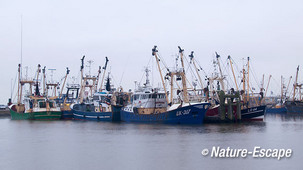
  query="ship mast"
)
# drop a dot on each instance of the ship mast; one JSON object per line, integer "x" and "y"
{"x": 37, "y": 93}
{"x": 281, "y": 89}
{"x": 98, "y": 77}
{"x": 44, "y": 77}
{"x": 183, "y": 76}
{"x": 82, "y": 83}
{"x": 288, "y": 85}
{"x": 232, "y": 69}
{"x": 248, "y": 79}
{"x": 191, "y": 56}
{"x": 19, "y": 84}
{"x": 262, "y": 84}
{"x": 221, "y": 74}
{"x": 154, "y": 53}
{"x": 67, "y": 72}
{"x": 243, "y": 80}
{"x": 104, "y": 68}
{"x": 267, "y": 86}
{"x": 295, "y": 85}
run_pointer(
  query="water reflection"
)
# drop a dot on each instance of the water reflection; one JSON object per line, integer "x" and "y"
{"x": 284, "y": 117}
{"x": 91, "y": 145}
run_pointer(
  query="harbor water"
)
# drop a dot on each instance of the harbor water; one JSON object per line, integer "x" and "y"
{"x": 104, "y": 145}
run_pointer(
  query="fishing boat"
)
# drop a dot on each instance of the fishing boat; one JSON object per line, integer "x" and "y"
{"x": 151, "y": 105}
{"x": 68, "y": 99}
{"x": 93, "y": 105}
{"x": 235, "y": 105}
{"x": 295, "y": 106}
{"x": 34, "y": 106}
{"x": 252, "y": 109}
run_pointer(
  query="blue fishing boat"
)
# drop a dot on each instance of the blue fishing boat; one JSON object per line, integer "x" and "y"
{"x": 280, "y": 109}
{"x": 151, "y": 105}
{"x": 90, "y": 111}
{"x": 294, "y": 107}
{"x": 177, "y": 114}
{"x": 93, "y": 105}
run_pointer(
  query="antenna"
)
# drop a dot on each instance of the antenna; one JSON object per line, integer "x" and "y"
{"x": 52, "y": 74}
{"x": 21, "y": 45}
{"x": 26, "y": 73}
{"x": 89, "y": 66}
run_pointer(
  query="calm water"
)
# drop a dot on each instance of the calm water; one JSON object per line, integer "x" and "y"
{"x": 98, "y": 145}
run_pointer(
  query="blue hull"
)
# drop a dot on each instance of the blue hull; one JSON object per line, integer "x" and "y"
{"x": 193, "y": 114}
{"x": 93, "y": 116}
{"x": 67, "y": 115}
{"x": 276, "y": 110}
{"x": 295, "y": 107}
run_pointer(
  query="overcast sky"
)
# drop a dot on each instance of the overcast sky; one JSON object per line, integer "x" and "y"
{"x": 57, "y": 33}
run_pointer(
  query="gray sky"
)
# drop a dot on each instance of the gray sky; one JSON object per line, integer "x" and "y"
{"x": 57, "y": 33}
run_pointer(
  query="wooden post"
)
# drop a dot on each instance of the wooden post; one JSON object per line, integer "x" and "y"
{"x": 222, "y": 105}
{"x": 229, "y": 109}
{"x": 238, "y": 105}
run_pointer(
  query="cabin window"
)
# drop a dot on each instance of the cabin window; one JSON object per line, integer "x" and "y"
{"x": 96, "y": 98}
{"x": 51, "y": 104}
{"x": 144, "y": 96}
{"x": 154, "y": 96}
{"x": 42, "y": 104}
{"x": 105, "y": 99}
{"x": 136, "y": 97}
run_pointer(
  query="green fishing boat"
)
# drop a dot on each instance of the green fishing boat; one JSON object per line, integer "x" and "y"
{"x": 16, "y": 114}
{"x": 33, "y": 106}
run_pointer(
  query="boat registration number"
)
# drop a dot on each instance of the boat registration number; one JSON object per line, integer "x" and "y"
{"x": 183, "y": 112}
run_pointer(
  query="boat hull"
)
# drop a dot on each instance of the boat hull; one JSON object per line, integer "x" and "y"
{"x": 92, "y": 116}
{"x": 43, "y": 115}
{"x": 47, "y": 115}
{"x": 116, "y": 110}
{"x": 276, "y": 110}
{"x": 20, "y": 116}
{"x": 87, "y": 112}
{"x": 253, "y": 113}
{"x": 67, "y": 115}
{"x": 295, "y": 107}
{"x": 192, "y": 114}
